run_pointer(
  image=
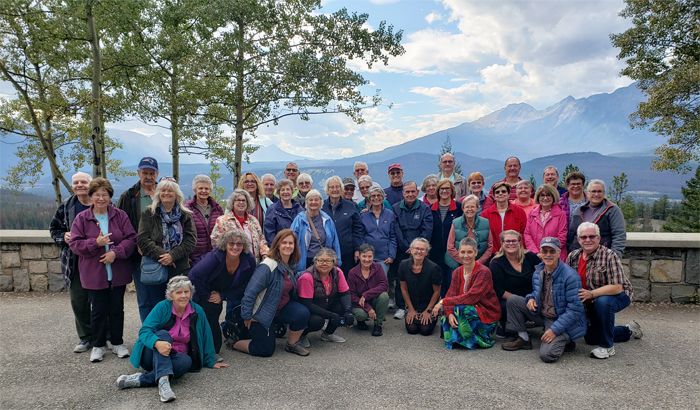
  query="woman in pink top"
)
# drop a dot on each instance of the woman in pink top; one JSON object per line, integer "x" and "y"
{"x": 546, "y": 219}
{"x": 523, "y": 190}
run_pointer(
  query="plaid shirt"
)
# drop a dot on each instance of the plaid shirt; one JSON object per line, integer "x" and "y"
{"x": 603, "y": 268}
{"x": 60, "y": 224}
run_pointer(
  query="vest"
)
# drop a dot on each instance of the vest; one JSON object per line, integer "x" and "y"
{"x": 481, "y": 235}
{"x": 320, "y": 298}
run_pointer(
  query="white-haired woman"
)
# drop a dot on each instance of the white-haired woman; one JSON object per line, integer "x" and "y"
{"x": 175, "y": 338}
{"x": 221, "y": 276}
{"x": 315, "y": 230}
{"x": 380, "y": 228}
{"x": 421, "y": 280}
{"x": 239, "y": 204}
{"x": 251, "y": 184}
{"x": 347, "y": 222}
{"x": 281, "y": 214}
{"x": 205, "y": 211}
{"x": 304, "y": 183}
{"x": 429, "y": 189}
{"x": 365, "y": 183}
{"x": 167, "y": 235}
{"x": 269, "y": 183}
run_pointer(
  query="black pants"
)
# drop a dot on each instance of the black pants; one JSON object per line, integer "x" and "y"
{"x": 393, "y": 278}
{"x": 416, "y": 327}
{"x": 316, "y": 322}
{"x": 213, "y": 312}
{"x": 348, "y": 260}
{"x": 107, "y": 315}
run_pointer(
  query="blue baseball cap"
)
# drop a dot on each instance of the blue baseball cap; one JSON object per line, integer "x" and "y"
{"x": 550, "y": 242}
{"x": 148, "y": 162}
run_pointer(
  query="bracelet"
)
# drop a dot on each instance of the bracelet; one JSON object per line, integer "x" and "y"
{"x": 592, "y": 295}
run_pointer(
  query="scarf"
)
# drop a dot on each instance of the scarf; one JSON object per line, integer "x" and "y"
{"x": 172, "y": 227}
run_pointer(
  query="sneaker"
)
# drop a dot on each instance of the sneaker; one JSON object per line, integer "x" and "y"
{"x": 127, "y": 381}
{"x": 636, "y": 330}
{"x": 377, "y": 331}
{"x": 164, "y": 390}
{"x": 82, "y": 347}
{"x": 517, "y": 344}
{"x": 121, "y": 351}
{"x": 603, "y": 352}
{"x": 392, "y": 304}
{"x": 305, "y": 342}
{"x": 296, "y": 348}
{"x": 109, "y": 345}
{"x": 218, "y": 358}
{"x": 331, "y": 338}
{"x": 400, "y": 314}
{"x": 362, "y": 325}
{"x": 500, "y": 332}
{"x": 570, "y": 347}
{"x": 97, "y": 354}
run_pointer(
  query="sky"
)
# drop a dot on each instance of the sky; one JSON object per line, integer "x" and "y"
{"x": 464, "y": 59}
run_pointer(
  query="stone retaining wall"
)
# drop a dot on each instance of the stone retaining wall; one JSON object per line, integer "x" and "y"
{"x": 662, "y": 267}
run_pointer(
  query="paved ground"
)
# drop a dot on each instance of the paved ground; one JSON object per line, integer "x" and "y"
{"x": 662, "y": 370}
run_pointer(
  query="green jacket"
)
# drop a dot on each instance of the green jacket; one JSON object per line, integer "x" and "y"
{"x": 481, "y": 235}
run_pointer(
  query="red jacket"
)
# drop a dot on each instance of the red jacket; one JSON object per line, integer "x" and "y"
{"x": 514, "y": 219}
{"x": 479, "y": 293}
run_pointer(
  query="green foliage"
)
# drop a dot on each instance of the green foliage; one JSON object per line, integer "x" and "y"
{"x": 688, "y": 217}
{"x": 662, "y": 52}
{"x": 218, "y": 193}
{"x": 533, "y": 181}
{"x": 616, "y": 194}
{"x": 569, "y": 169}
{"x": 447, "y": 148}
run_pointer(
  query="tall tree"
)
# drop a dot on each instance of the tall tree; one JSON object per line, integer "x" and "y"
{"x": 662, "y": 52}
{"x": 569, "y": 169}
{"x": 280, "y": 59}
{"x": 688, "y": 219}
{"x": 447, "y": 148}
{"x": 616, "y": 194}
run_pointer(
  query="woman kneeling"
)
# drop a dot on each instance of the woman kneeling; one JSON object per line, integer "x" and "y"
{"x": 470, "y": 305}
{"x": 175, "y": 338}
{"x": 420, "y": 280}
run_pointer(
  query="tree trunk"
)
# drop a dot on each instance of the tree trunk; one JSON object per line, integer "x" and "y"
{"x": 97, "y": 142}
{"x": 175, "y": 125}
{"x": 240, "y": 77}
{"x": 104, "y": 149}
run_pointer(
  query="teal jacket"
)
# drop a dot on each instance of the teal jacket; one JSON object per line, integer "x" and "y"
{"x": 481, "y": 235}
{"x": 162, "y": 317}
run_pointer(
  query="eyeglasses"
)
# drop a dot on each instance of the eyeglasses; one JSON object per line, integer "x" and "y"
{"x": 375, "y": 197}
{"x": 545, "y": 251}
{"x": 475, "y": 183}
{"x": 241, "y": 200}
{"x": 470, "y": 207}
{"x": 504, "y": 192}
{"x": 395, "y": 173}
{"x": 303, "y": 183}
{"x": 448, "y": 161}
{"x": 292, "y": 170}
{"x": 445, "y": 189}
{"x": 597, "y": 192}
{"x": 579, "y": 184}
{"x": 249, "y": 182}
{"x": 546, "y": 196}
{"x": 420, "y": 250}
{"x": 324, "y": 261}
{"x": 101, "y": 196}
{"x": 511, "y": 241}
{"x": 360, "y": 170}
{"x": 349, "y": 188}
{"x": 235, "y": 244}
{"x": 587, "y": 237}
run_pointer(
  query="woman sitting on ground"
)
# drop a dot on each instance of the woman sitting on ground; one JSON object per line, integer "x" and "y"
{"x": 270, "y": 296}
{"x": 174, "y": 339}
{"x": 368, "y": 291}
{"x": 222, "y": 275}
{"x": 420, "y": 285}
{"x": 471, "y": 309}
{"x": 324, "y": 291}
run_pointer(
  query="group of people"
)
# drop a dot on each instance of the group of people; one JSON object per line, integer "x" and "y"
{"x": 282, "y": 256}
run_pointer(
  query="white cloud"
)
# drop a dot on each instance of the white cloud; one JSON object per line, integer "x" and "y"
{"x": 433, "y": 17}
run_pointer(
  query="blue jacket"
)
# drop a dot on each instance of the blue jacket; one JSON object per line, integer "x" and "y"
{"x": 350, "y": 231}
{"x": 264, "y": 291}
{"x": 441, "y": 230}
{"x": 301, "y": 227}
{"x": 565, "y": 285}
{"x": 411, "y": 223}
{"x": 277, "y": 219}
{"x": 394, "y": 194}
{"x": 162, "y": 317}
{"x": 363, "y": 205}
{"x": 383, "y": 235}
{"x": 213, "y": 264}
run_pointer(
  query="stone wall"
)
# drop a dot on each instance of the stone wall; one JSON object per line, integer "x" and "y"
{"x": 662, "y": 267}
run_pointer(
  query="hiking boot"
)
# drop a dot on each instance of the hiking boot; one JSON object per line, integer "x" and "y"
{"x": 602, "y": 352}
{"x": 296, "y": 348}
{"x": 636, "y": 330}
{"x": 517, "y": 344}
{"x": 164, "y": 390}
{"x": 400, "y": 314}
{"x": 377, "y": 331}
{"x": 127, "y": 381}
{"x": 82, "y": 347}
{"x": 121, "y": 351}
{"x": 331, "y": 338}
{"x": 305, "y": 342}
{"x": 362, "y": 325}
{"x": 97, "y": 354}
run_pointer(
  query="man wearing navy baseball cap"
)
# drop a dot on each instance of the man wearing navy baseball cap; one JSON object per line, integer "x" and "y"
{"x": 554, "y": 303}
{"x": 134, "y": 201}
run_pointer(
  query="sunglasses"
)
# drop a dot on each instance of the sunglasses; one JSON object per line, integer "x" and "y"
{"x": 587, "y": 237}
{"x": 292, "y": 170}
{"x": 545, "y": 251}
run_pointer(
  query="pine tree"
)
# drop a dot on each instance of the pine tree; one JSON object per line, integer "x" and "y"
{"x": 688, "y": 219}
{"x": 447, "y": 148}
{"x": 533, "y": 181}
{"x": 569, "y": 169}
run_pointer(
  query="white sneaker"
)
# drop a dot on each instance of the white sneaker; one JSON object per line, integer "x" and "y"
{"x": 400, "y": 314}
{"x": 121, "y": 351}
{"x": 82, "y": 347}
{"x": 636, "y": 330}
{"x": 603, "y": 352}
{"x": 392, "y": 304}
{"x": 97, "y": 354}
{"x": 331, "y": 338}
{"x": 109, "y": 345}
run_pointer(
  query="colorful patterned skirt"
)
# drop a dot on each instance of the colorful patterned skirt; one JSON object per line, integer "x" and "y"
{"x": 471, "y": 332}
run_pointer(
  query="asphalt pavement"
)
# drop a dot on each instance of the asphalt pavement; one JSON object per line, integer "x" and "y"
{"x": 398, "y": 371}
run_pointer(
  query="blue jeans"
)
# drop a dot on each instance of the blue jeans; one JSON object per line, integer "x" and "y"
{"x": 175, "y": 365}
{"x": 601, "y": 317}
{"x": 262, "y": 344}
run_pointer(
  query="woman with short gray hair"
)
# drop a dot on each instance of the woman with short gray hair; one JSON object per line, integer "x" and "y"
{"x": 304, "y": 183}
{"x": 429, "y": 189}
{"x": 239, "y": 204}
{"x": 380, "y": 228}
{"x": 205, "y": 211}
{"x": 420, "y": 280}
{"x": 315, "y": 230}
{"x": 163, "y": 349}
{"x": 366, "y": 184}
{"x": 222, "y": 276}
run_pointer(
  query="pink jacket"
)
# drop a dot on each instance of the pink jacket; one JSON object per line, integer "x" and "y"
{"x": 556, "y": 225}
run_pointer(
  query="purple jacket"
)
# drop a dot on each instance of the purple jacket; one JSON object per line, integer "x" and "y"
{"x": 203, "y": 231}
{"x": 369, "y": 288}
{"x": 83, "y": 242}
{"x": 564, "y": 204}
